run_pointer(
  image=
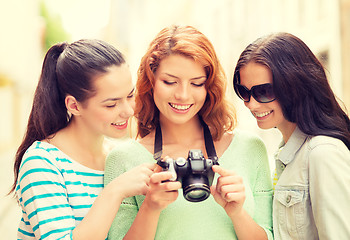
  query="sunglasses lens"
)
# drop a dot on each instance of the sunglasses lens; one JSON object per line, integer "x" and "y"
{"x": 243, "y": 93}
{"x": 263, "y": 93}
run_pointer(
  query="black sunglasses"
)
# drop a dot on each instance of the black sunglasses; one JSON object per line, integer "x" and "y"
{"x": 262, "y": 93}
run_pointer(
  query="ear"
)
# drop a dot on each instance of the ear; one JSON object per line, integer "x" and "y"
{"x": 72, "y": 105}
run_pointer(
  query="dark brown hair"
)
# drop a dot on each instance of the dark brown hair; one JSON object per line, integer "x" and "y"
{"x": 68, "y": 69}
{"x": 300, "y": 85}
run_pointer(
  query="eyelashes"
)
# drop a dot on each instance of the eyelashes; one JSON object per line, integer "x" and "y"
{"x": 174, "y": 82}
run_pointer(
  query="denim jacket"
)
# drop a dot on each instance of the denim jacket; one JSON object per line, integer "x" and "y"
{"x": 312, "y": 195}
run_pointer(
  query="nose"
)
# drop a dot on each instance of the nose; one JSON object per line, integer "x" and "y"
{"x": 127, "y": 108}
{"x": 182, "y": 91}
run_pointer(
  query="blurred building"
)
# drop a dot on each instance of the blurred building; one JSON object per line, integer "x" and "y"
{"x": 21, "y": 56}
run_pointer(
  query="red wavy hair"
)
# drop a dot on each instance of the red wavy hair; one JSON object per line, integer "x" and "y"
{"x": 187, "y": 41}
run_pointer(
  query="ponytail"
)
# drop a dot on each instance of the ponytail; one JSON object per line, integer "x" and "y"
{"x": 49, "y": 113}
{"x": 68, "y": 69}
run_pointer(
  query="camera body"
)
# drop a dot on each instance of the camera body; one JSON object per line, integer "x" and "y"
{"x": 195, "y": 174}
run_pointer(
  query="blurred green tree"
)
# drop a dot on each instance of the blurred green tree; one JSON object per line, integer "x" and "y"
{"x": 54, "y": 31}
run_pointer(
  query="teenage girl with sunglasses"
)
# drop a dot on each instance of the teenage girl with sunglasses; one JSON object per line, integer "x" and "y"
{"x": 284, "y": 85}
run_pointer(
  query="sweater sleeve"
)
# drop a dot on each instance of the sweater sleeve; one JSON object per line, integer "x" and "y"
{"x": 119, "y": 160}
{"x": 263, "y": 189}
{"x": 263, "y": 193}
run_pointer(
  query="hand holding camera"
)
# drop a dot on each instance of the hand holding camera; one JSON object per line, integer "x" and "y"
{"x": 195, "y": 174}
{"x": 229, "y": 191}
{"x": 161, "y": 192}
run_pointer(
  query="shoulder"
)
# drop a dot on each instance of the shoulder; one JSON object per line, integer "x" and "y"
{"x": 126, "y": 155}
{"x": 124, "y": 148}
{"x": 41, "y": 162}
{"x": 325, "y": 148}
{"x": 328, "y": 158}
{"x": 40, "y": 154}
{"x": 325, "y": 141}
{"x": 248, "y": 147}
{"x": 248, "y": 139}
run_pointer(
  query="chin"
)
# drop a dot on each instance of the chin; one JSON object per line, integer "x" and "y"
{"x": 120, "y": 134}
{"x": 265, "y": 126}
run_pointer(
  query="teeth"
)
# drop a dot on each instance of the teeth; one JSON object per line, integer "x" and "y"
{"x": 180, "y": 107}
{"x": 262, "y": 114}
{"x": 119, "y": 124}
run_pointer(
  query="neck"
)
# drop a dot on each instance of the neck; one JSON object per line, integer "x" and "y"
{"x": 82, "y": 145}
{"x": 181, "y": 133}
{"x": 287, "y": 130}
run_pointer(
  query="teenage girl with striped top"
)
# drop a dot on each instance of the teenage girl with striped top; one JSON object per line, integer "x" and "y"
{"x": 85, "y": 93}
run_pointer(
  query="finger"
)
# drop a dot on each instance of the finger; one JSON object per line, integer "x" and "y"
{"x": 158, "y": 177}
{"x": 237, "y": 188}
{"x": 151, "y": 166}
{"x": 222, "y": 171}
{"x": 228, "y": 183}
{"x": 235, "y": 179}
{"x": 235, "y": 197}
{"x": 171, "y": 185}
{"x": 158, "y": 169}
{"x": 213, "y": 190}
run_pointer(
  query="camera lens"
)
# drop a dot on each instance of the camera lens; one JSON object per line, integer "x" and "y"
{"x": 196, "y": 192}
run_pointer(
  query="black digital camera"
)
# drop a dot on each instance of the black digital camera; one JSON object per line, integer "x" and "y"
{"x": 194, "y": 173}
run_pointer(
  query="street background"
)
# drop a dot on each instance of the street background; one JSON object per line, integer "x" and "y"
{"x": 29, "y": 27}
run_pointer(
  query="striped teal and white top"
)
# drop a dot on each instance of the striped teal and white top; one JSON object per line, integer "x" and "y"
{"x": 54, "y": 192}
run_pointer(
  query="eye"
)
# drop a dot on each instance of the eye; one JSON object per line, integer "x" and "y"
{"x": 167, "y": 82}
{"x": 111, "y": 105}
{"x": 131, "y": 95}
{"x": 198, "y": 84}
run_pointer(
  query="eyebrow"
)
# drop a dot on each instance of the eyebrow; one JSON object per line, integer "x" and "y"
{"x": 116, "y": 99}
{"x": 195, "y": 78}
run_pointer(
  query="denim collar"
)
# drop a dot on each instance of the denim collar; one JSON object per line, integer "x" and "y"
{"x": 287, "y": 151}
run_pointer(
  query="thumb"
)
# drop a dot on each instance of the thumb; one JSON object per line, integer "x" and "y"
{"x": 213, "y": 190}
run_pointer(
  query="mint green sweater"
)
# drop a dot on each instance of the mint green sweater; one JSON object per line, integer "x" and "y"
{"x": 246, "y": 155}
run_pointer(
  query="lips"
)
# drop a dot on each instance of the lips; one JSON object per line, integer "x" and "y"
{"x": 120, "y": 125}
{"x": 262, "y": 114}
{"x": 180, "y": 107}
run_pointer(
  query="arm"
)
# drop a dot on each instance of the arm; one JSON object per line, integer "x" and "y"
{"x": 43, "y": 195}
{"x": 229, "y": 192}
{"x": 159, "y": 196}
{"x": 97, "y": 222}
{"x": 329, "y": 167}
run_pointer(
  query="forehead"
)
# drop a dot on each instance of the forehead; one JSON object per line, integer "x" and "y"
{"x": 255, "y": 74}
{"x": 115, "y": 82}
{"x": 176, "y": 63}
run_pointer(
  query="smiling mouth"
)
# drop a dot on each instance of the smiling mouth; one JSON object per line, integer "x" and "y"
{"x": 180, "y": 107}
{"x": 119, "y": 124}
{"x": 263, "y": 114}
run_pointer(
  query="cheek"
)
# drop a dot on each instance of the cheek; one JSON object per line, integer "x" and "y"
{"x": 160, "y": 93}
{"x": 278, "y": 112}
{"x": 133, "y": 104}
{"x": 201, "y": 94}
{"x": 104, "y": 115}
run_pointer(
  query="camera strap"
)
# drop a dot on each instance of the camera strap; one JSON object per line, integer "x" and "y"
{"x": 208, "y": 140}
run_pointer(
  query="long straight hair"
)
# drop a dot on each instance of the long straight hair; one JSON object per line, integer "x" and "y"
{"x": 300, "y": 85}
{"x": 68, "y": 69}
